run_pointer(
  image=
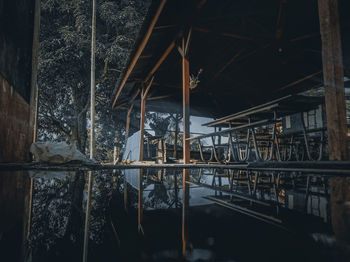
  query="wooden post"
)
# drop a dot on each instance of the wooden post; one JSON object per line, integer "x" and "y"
{"x": 142, "y": 127}
{"x": 34, "y": 87}
{"x": 92, "y": 131}
{"x": 142, "y": 124}
{"x": 186, "y": 143}
{"x": 33, "y": 118}
{"x": 115, "y": 156}
{"x": 128, "y": 122}
{"x": 144, "y": 93}
{"x": 333, "y": 75}
{"x": 186, "y": 109}
{"x": 92, "y": 96}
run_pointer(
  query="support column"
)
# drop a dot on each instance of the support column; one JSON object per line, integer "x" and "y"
{"x": 333, "y": 75}
{"x": 142, "y": 128}
{"x": 128, "y": 122}
{"x": 92, "y": 132}
{"x": 34, "y": 96}
{"x": 144, "y": 93}
{"x": 186, "y": 143}
{"x": 186, "y": 108}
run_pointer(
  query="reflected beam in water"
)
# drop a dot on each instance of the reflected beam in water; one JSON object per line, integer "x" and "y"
{"x": 30, "y": 206}
{"x": 125, "y": 194}
{"x": 87, "y": 216}
{"x": 340, "y": 207}
{"x": 140, "y": 204}
{"x": 185, "y": 207}
{"x": 176, "y": 188}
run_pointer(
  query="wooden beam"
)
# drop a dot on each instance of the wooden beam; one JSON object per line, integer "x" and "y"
{"x": 188, "y": 42}
{"x": 300, "y": 80}
{"x": 159, "y": 97}
{"x": 164, "y": 27}
{"x": 161, "y": 60}
{"x": 333, "y": 77}
{"x": 303, "y": 37}
{"x": 146, "y": 56}
{"x": 139, "y": 50}
{"x": 147, "y": 88}
{"x": 228, "y": 63}
{"x": 231, "y": 35}
{"x": 281, "y": 19}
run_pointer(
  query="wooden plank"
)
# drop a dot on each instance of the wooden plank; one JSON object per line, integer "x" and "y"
{"x": 300, "y": 80}
{"x": 215, "y": 122}
{"x": 254, "y": 124}
{"x": 139, "y": 50}
{"x": 333, "y": 74}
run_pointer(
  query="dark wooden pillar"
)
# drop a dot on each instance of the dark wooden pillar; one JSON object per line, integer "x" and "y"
{"x": 186, "y": 143}
{"x": 333, "y": 74}
{"x": 144, "y": 93}
{"x": 186, "y": 108}
{"x": 128, "y": 122}
{"x": 142, "y": 125}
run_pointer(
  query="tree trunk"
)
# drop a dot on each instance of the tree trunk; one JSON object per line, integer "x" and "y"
{"x": 79, "y": 125}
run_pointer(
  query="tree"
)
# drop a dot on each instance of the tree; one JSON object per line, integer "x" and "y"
{"x": 64, "y": 67}
{"x": 159, "y": 122}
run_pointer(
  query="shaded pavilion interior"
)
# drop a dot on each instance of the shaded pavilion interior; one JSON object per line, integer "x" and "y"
{"x": 250, "y": 52}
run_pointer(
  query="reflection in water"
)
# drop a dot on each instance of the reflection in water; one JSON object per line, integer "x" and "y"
{"x": 87, "y": 216}
{"x": 167, "y": 215}
{"x": 185, "y": 207}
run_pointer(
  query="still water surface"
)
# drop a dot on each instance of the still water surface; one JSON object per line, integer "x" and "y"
{"x": 176, "y": 215}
